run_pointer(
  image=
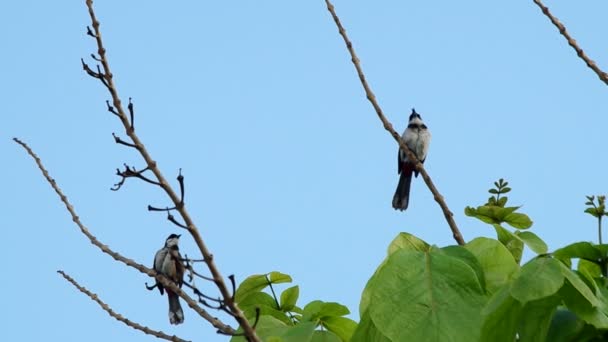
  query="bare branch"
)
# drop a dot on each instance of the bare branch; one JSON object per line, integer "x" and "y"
{"x": 581, "y": 54}
{"x": 117, "y": 256}
{"x": 118, "y": 316}
{"x": 449, "y": 216}
{"x": 177, "y": 201}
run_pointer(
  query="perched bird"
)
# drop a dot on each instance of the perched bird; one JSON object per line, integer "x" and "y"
{"x": 417, "y": 138}
{"x": 168, "y": 262}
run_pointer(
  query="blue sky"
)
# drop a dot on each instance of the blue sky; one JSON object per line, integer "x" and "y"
{"x": 287, "y": 166}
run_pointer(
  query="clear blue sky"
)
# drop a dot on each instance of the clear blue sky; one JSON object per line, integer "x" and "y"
{"x": 287, "y": 167}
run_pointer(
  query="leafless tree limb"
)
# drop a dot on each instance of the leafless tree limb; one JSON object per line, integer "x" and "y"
{"x": 118, "y": 316}
{"x": 581, "y": 54}
{"x": 228, "y": 300}
{"x": 117, "y": 256}
{"x": 449, "y": 216}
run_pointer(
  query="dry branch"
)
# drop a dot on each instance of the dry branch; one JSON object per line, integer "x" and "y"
{"x": 581, "y": 54}
{"x": 118, "y": 316}
{"x": 449, "y": 216}
{"x": 117, "y": 256}
{"x": 228, "y": 300}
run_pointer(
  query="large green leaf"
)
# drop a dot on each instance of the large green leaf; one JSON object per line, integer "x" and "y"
{"x": 501, "y": 317}
{"x": 266, "y": 304}
{"x": 579, "y": 285}
{"x": 575, "y": 301}
{"x": 409, "y": 242}
{"x": 535, "y": 319}
{"x": 497, "y": 263}
{"x": 565, "y": 327}
{"x": 428, "y": 296}
{"x": 302, "y": 332}
{"x": 582, "y": 250}
{"x": 469, "y": 258}
{"x": 541, "y": 277}
{"x": 367, "y": 331}
{"x": 533, "y": 241}
{"x": 403, "y": 241}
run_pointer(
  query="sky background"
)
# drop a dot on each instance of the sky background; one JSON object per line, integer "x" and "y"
{"x": 286, "y": 165}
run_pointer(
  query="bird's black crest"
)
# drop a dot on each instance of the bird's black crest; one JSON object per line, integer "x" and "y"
{"x": 173, "y": 236}
{"x": 414, "y": 115}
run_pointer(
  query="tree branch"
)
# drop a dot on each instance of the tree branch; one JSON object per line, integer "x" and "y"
{"x": 117, "y": 256}
{"x": 118, "y": 316}
{"x": 581, "y": 54}
{"x": 248, "y": 330}
{"x": 449, "y": 216}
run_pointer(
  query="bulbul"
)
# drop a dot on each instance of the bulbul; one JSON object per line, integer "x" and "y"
{"x": 417, "y": 138}
{"x": 168, "y": 262}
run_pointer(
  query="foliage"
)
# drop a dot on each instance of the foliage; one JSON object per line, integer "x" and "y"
{"x": 476, "y": 292}
{"x": 281, "y": 319}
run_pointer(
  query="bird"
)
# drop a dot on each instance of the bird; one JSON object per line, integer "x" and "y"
{"x": 417, "y": 137}
{"x": 168, "y": 262}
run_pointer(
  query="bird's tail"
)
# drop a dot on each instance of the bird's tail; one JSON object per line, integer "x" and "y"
{"x": 176, "y": 315}
{"x": 402, "y": 194}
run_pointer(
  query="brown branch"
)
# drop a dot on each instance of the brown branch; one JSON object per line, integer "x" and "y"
{"x": 449, "y": 216}
{"x": 118, "y": 316}
{"x": 117, "y": 256}
{"x": 181, "y": 208}
{"x": 581, "y": 54}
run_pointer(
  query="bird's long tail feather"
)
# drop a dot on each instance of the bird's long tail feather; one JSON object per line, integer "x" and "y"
{"x": 402, "y": 194}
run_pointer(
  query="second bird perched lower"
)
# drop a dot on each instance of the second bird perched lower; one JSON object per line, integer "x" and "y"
{"x": 417, "y": 137}
{"x": 168, "y": 262}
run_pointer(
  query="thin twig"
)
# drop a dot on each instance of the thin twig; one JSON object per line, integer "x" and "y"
{"x": 581, "y": 54}
{"x": 118, "y": 316}
{"x": 188, "y": 222}
{"x": 117, "y": 256}
{"x": 449, "y": 216}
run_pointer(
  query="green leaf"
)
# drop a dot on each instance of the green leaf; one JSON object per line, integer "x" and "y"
{"x": 490, "y": 213}
{"x": 367, "y": 331}
{"x": 469, "y": 258}
{"x": 505, "y": 190}
{"x": 496, "y": 261}
{"x": 510, "y": 241}
{"x": 409, "y": 242}
{"x": 251, "y": 284}
{"x": 502, "y": 201}
{"x": 325, "y": 336}
{"x": 289, "y": 297}
{"x": 575, "y": 280}
{"x": 582, "y": 250}
{"x": 341, "y": 326}
{"x": 590, "y": 268}
{"x": 575, "y": 301}
{"x": 299, "y": 333}
{"x": 565, "y": 327}
{"x": 493, "y": 191}
{"x": 268, "y": 329}
{"x": 278, "y": 278}
{"x": 533, "y": 241}
{"x": 535, "y": 319}
{"x": 319, "y": 310}
{"x": 430, "y": 296}
{"x": 266, "y": 304}
{"x": 501, "y": 317}
{"x": 541, "y": 277}
{"x": 518, "y": 220}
